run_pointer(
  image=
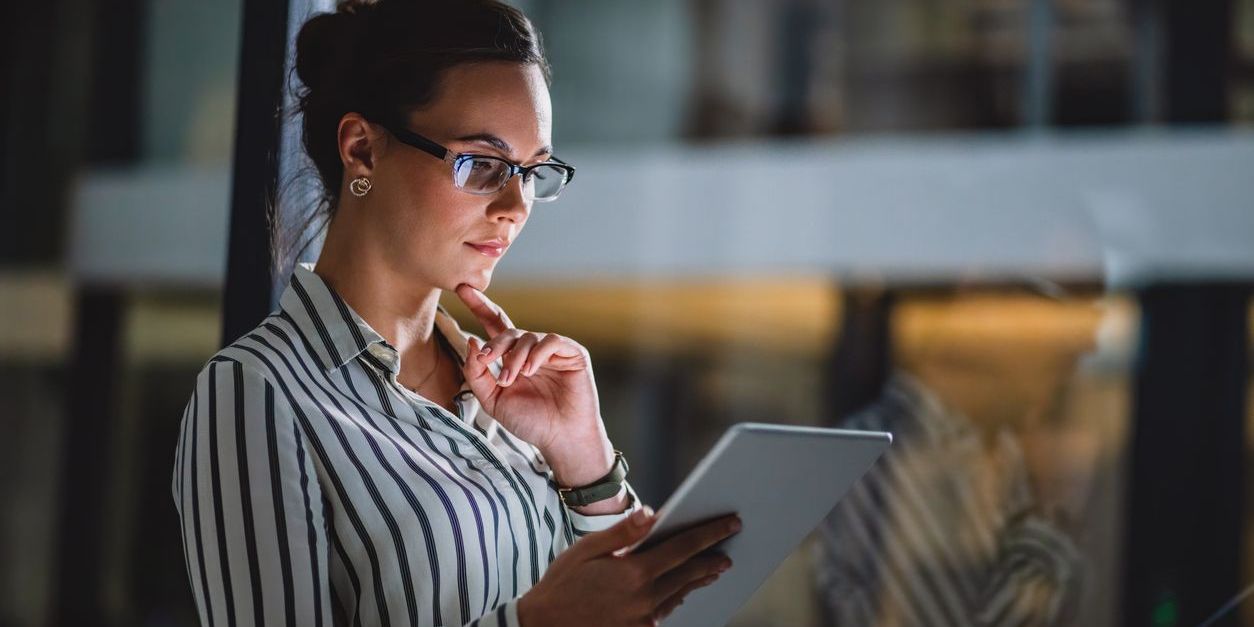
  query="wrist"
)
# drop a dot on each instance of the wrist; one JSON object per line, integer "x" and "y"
{"x": 577, "y": 465}
{"x": 616, "y": 504}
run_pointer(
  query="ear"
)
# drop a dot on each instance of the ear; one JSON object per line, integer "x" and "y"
{"x": 359, "y": 143}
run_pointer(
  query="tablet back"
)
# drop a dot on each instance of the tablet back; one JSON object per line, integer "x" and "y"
{"x": 782, "y": 480}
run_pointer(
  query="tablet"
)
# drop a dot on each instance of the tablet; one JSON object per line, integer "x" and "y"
{"x": 782, "y": 481}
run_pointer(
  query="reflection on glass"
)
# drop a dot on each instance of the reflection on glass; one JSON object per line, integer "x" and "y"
{"x": 978, "y": 513}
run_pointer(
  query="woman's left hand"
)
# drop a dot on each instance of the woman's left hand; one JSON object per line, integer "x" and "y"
{"x": 545, "y": 394}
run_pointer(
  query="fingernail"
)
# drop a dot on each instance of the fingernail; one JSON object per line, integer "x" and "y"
{"x": 485, "y": 350}
{"x": 735, "y": 525}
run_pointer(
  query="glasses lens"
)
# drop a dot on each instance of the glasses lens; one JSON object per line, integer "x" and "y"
{"x": 480, "y": 175}
{"x": 548, "y": 181}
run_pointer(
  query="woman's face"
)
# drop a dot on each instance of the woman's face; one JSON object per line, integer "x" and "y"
{"x": 425, "y": 225}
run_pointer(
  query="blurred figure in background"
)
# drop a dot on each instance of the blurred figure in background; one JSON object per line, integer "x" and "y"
{"x": 963, "y": 522}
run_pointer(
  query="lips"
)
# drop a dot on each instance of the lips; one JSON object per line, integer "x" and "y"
{"x": 490, "y": 248}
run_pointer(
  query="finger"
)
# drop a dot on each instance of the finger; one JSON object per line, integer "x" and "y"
{"x": 681, "y": 547}
{"x": 477, "y": 373}
{"x": 498, "y": 345}
{"x": 695, "y": 569}
{"x": 489, "y": 313}
{"x": 512, "y": 362}
{"x": 551, "y": 345}
{"x": 677, "y": 599}
{"x": 621, "y": 534}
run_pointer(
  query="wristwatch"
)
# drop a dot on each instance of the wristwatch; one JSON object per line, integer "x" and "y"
{"x": 598, "y": 490}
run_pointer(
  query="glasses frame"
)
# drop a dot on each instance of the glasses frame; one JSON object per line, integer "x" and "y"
{"x": 455, "y": 160}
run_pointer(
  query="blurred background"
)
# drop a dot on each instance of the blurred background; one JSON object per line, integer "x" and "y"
{"x": 1018, "y": 233}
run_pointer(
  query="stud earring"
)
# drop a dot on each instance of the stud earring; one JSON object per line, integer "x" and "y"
{"x": 359, "y": 186}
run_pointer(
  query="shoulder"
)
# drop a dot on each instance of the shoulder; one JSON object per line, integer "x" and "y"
{"x": 246, "y": 392}
{"x": 270, "y": 352}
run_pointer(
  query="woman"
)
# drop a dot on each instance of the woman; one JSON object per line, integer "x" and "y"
{"x": 357, "y": 458}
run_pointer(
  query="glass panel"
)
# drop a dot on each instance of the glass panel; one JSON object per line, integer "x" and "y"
{"x": 1001, "y": 491}
{"x": 133, "y": 105}
{"x": 836, "y": 289}
{"x": 1037, "y": 388}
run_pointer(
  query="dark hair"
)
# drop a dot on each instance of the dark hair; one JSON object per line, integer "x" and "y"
{"x": 383, "y": 59}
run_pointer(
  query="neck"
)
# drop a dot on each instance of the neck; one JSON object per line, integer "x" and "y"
{"x": 391, "y": 301}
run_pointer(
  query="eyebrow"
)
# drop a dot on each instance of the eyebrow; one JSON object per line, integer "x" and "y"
{"x": 500, "y": 144}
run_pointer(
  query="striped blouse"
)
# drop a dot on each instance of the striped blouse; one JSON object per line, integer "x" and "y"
{"x": 313, "y": 489}
{"x": 926, "y": 539}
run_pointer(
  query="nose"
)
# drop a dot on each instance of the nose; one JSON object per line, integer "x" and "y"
{"x": 511, "y": 203}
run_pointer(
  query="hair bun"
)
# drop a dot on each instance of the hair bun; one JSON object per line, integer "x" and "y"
{"x": 326, "y": 44}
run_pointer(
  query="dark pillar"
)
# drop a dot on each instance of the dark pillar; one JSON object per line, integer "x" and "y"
{"x": 246, "y": 298}
{"x": 93, "y": 386}
{"x": 1185, "y": 497}
{"x": 1198, "y": 55}
{"x": 108, "y": 61}
{"x": 860, "y": 361}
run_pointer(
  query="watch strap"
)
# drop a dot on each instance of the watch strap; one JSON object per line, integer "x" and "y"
{"x": 599, "y": 490}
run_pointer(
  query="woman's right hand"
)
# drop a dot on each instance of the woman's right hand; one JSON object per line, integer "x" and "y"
{"x": 590, "y": 583}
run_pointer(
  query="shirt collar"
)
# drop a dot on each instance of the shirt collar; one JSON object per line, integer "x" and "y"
{"x": 334, "y": 331}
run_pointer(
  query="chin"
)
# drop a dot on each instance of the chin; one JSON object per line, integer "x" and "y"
{"x": 477, "y": 280}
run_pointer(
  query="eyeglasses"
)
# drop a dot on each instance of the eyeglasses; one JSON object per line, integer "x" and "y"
{"x": 485, "y": 174}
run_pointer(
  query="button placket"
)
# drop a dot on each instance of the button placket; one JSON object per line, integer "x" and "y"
{"x": 483, "y": 464}
{"x": 498, "y": 476}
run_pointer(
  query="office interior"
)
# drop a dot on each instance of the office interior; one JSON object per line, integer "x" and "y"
{"x": 1040, "y": 210}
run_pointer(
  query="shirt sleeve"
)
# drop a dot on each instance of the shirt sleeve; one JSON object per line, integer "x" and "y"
{"x": 505, "y": 615}
{"x": 1037, "y": 578}
{"x": 584, "y": 524}
{"x": 250, "y": 505}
